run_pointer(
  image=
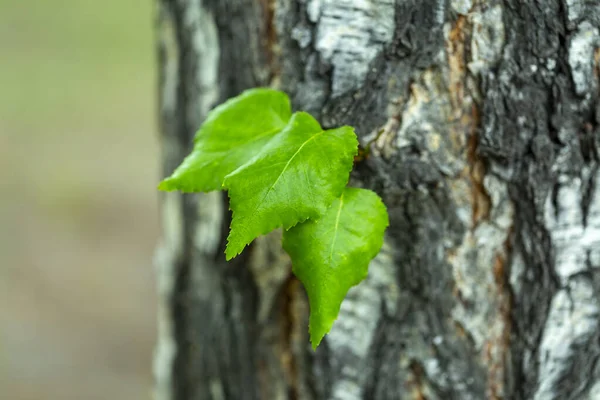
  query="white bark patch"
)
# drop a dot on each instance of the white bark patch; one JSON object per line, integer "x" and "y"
{"x": 210, "y": 219}
{"x": 168, "y": 42}
{"x": 440, "y": 12}
{"x": 488, "y": 39}
{"x": 595, "y": 391}
{"x": 574, "y": 10}
{"x": 574, "y": 310}
{"x": 205, "y": 43}
{"x": 572, "y": 319}
{"x": 581, "y": 57}
{"x": 170, "y": 250}
{"x": 518, "y": 269}
{"x": 313, "y": 9}
{"x": 461, "y": 6}
{"x": 572, "y": 240}
{"x": 353, "y": 332}
{"x": 350, "y": 33}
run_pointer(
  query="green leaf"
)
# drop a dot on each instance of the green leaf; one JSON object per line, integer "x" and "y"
{"x": 232, "y": 134}
{"x": 296, "y": 176}
{"x": 331, "y": 255}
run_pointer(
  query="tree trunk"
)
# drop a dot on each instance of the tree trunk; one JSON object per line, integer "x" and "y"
{"x": 483, "y": 119}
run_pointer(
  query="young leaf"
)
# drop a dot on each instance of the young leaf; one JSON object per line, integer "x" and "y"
{"x": 296, "y": 176}
{"x": 232, "y": 134}
{"x": 332, "y": 254}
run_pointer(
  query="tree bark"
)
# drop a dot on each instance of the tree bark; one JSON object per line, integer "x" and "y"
{"x": 483, "y": 119}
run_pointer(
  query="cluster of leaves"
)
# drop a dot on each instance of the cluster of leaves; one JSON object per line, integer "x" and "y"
{"x": 282, "y": 170}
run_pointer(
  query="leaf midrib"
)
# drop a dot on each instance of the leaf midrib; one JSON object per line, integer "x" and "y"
{"x": 292, "y": 159}
{"x": 336, "y": 228}
{"x": 284, "y": 168}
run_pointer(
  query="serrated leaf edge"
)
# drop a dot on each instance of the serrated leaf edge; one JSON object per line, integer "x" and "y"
{"x": 383, "y": 208}
{"x": 170, "y": 183}
{"x": 229, "y": 256}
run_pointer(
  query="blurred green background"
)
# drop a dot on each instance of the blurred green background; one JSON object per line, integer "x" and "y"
{"x": 78, "y": 207}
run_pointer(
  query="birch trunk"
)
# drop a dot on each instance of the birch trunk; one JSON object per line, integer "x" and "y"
{"x": 483, "y": 117}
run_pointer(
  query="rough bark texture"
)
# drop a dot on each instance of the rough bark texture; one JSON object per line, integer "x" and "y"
{"x": 483, "y": 118}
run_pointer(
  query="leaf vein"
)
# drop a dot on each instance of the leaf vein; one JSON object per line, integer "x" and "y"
{"x": 336, "y": 228}
{"x": 282, "y": 172}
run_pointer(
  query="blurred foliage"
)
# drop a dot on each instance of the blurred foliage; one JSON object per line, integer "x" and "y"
{"x": 78, "y": 219}
{"x": 65, "y": 59}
